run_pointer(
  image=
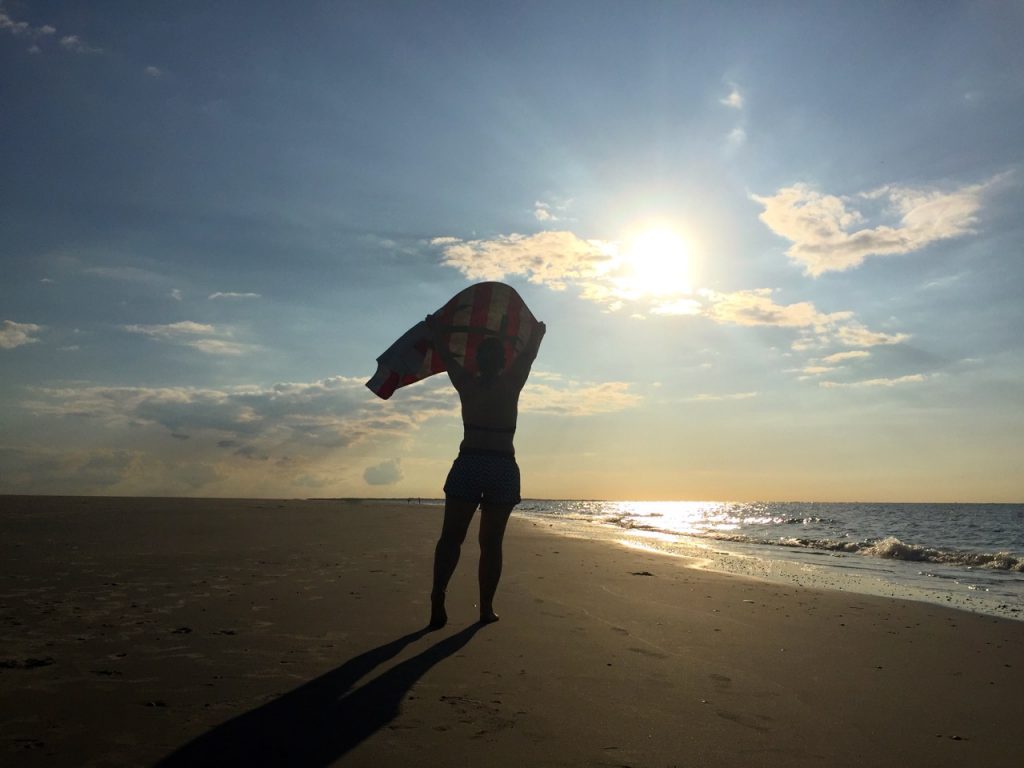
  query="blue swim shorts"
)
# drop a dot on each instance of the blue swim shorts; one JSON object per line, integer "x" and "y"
{"x": 488, "y": 477}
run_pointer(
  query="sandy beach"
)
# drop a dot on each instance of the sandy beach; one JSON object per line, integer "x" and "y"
{"x": 190, "y": 632}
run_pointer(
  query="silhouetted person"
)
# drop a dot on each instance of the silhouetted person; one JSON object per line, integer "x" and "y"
{"x": 485, "y": 472}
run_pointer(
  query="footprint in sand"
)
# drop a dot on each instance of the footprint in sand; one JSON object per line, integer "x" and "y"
{"x": 652, "y": 654}
{"x": 721, "y": 681}
{"x": 754, "y": 722}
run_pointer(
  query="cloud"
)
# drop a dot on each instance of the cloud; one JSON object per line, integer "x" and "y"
{"x": 736, "y": 137}
{"x": 171, "y": 331}
{"x": 816, "y": 370}
{"x": 14, "y": 334}
{"x": 829, "y": 234}
{"x": 329, "y": 412}
{"x": 386, "y": 473}
{"x": 595, "y": 267}
{"x": 184, "y": 333}
{"x": 542, "y": 212}
{"x": 551, "y": 394}
{"x": 911, "y": 379}
{"x": 154, "y": 71}
{"x": 756, "y": 307}
{"x": 75, "y": 44}
{"x": 942, "y": 282}
{"x": 734, "y": 99}
{"x": 550, "y": 212}
{"x": 100, "y": 471}
{"x": 17, "y": 28}
{"x": 35, "y": 469}
{"x": 253, "y": 440}
{"x": 703, "y": 398}
{"x": 222, "y": 347}
{"x": 175, "y": 294}
{"x": 830, "y": 363}
{"x": 854, "y": 334}
{"x": 840, "y": 357}
{"x": 23, "y": 29}
{"x": 677, "y": 307}
{"x": 233, "y": 295}
{"x": 546, "y": 258}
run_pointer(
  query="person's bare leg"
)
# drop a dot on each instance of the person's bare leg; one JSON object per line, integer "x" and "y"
{"x": 457, "y": 514}
{"x": 493, "y": 519}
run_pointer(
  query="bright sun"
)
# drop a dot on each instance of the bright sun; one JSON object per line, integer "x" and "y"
{"x": 655, "y": 262}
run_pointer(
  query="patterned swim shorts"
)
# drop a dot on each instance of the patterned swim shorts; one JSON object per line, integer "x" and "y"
{"x": 484, "y": 477}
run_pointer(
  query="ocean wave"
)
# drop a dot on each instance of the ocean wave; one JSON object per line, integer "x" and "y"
{"x": 891, "y": 548}
{"x": 722, "y": 528}
{"x": 809, "y": 520}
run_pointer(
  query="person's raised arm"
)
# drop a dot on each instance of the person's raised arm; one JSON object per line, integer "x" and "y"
{"x": 456, "y": 372}
{"x": 520, "y": 369}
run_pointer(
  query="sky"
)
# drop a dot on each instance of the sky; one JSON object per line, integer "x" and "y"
{"x": 778, "y": 246}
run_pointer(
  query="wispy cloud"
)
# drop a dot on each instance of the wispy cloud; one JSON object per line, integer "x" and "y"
{"x": 186, "y": 332}
{"x": 853, "y": 334}
{"x": 757, "y": 307}
{"x": 715, "y": 397}
{"x": 14, "y": 334}
{"x": 942, "y": 282}
{"x": 829, "y": 234}
{"x": 555, "y": 395}
{"x": 23, "y": 28}
{"x": 154, "y": 71}
{"x": 839, "y": 357}
{"x": 543, "y": 212}
{"x": 222, "y": 347}
{"x": 38, "y": 35}
{"x": 172, "y": 331}
{"x": 737, "y": 137}
{"x": 915, "y": 378}
{"x": 735, "y": 97}
{"x": 234, "y": 295}
{"x": 833, "y": 362}
{"x": 75, "y": 44}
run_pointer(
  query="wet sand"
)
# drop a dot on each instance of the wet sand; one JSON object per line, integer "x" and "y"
{"x": 191, "y": 632}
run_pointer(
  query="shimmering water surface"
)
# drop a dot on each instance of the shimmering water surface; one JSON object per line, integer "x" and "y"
{"x": 970, "y": 556}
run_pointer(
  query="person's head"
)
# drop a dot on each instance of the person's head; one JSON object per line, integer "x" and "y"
{"x": 490, "y": 356}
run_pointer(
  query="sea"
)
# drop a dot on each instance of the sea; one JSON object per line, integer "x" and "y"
{"x": 967, "y": 556}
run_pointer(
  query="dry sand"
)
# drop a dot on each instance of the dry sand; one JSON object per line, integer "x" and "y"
{"x": 194, "y": 632}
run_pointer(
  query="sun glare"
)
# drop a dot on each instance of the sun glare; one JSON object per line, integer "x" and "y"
{"x": 655, "y": 262}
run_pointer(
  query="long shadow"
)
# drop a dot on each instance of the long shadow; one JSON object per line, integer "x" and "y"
{"x": 320, "y": 721}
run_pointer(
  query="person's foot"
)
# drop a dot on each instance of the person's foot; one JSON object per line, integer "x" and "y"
{"x": 488, "y": 617}
{"x": 438, "y": 615}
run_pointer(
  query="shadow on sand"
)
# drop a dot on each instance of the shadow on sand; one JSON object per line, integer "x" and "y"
{"x": 320, "y": 721}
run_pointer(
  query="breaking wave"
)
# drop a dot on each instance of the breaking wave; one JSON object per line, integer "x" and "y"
{"x": 891, "y": 548}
